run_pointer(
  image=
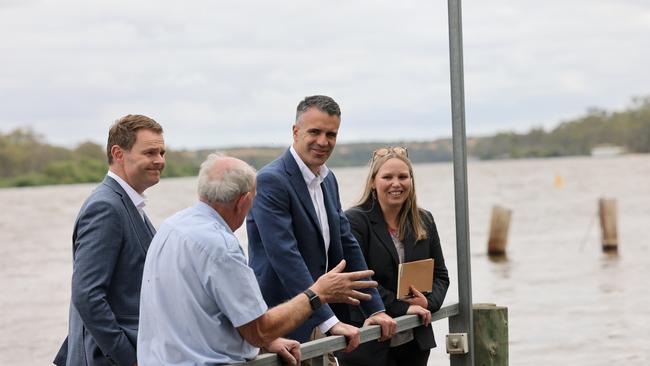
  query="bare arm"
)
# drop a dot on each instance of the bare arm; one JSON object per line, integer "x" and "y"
{"x": 276, "y": 322}
{"x": 334, "y": 286}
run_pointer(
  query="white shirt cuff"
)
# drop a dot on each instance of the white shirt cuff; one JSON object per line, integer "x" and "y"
{"x": 328, "y": 324}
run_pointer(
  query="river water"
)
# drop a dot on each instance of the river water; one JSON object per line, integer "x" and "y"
{"x": 568, "y": 302}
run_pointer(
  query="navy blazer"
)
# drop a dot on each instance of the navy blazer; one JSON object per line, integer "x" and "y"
{"x": 370, "y": 229}
{"x": 285, "y": 244}
{"x": 110, "y": 242}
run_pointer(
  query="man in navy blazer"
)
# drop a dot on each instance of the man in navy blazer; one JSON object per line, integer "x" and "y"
{"x": 297, "y": 230}
{"x": 110, "y": 241}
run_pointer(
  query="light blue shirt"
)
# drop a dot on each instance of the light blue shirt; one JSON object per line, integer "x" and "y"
{"x": 196, "y": 290}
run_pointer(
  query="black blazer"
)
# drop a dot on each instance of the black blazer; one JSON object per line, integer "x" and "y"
{"x": 370, "y": 229}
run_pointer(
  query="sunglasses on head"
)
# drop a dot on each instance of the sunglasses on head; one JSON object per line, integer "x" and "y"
{"x": 397, "y": 150}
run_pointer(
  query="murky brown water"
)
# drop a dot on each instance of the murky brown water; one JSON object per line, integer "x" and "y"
{"x": 568, "y": 303}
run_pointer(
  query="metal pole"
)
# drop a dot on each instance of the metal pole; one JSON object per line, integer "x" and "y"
{"x": 463, "y": 322}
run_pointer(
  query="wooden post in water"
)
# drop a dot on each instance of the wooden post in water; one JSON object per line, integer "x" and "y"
{"x": 499, "y": 225}
{"x": 607, "y": 213}
{"x": 490, "y": 335}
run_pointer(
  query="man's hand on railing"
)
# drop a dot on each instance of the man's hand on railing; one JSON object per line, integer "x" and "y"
{"x": 423, "y": 313}
{"x": 337, "y": 286}
{"x": 350, "y": 332}
{"x": 388, "y": 325}
{"x": 287, "y": 349}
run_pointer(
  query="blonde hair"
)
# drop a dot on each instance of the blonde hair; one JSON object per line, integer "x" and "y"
{"x": 409, "y": 213}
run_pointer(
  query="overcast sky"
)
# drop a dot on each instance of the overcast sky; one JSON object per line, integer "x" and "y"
{"x": 230, "y": 73}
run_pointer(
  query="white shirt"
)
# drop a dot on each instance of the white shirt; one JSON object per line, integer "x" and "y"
{"x": 313, "y": 183}
{"x": 196, "y": 290}
{"x": 139, "y": 200}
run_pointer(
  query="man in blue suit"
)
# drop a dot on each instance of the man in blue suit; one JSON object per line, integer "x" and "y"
{"x": 110, "y": 241}
{"x": 297, "y": 231}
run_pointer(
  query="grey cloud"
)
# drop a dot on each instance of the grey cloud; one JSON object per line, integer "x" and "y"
{"x": 219, "y": 73}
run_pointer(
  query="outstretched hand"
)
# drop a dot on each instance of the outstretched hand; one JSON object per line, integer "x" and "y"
{"x": 338, "y": 286}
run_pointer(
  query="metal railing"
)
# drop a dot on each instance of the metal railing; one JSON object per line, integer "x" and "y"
{"x": 317, "y": 350}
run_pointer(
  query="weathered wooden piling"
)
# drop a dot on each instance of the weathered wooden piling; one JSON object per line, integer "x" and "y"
{"x": 608, "y": 226}
{"x": 499, "y": 225}
{"x": 490, "y": 335}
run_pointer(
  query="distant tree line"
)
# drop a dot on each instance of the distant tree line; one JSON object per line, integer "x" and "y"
{"x": 27, "y": 160}
{"x": 629, "y": 129}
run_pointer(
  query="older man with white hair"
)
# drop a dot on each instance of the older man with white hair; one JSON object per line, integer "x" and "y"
{"x": 200, "y": 303}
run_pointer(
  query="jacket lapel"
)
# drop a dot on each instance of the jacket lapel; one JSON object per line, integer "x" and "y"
{"x": 152, "y": 229}
{"x": 332, "y": 213}
{"x": 298, "y": 183}
{"x": 409, "y": 244}
{"x": 381, "y": 230}
{"x": 141, "y": 230}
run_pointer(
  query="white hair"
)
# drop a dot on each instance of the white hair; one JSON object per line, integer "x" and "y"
{"x": 226, "y": 183}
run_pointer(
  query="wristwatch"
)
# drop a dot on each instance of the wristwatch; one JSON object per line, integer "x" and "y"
{"x": 314, "y": 300}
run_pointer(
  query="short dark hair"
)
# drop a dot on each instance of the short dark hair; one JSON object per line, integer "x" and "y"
{"x": 322, "y": 102}
{"x": 123, "y": 132}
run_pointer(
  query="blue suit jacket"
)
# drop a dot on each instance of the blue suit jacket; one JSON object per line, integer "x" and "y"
{"x": 110, "y": 242}
{"x": 285, "y": 243}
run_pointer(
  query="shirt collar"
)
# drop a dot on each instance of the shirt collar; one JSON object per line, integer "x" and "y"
{"x": 139, "y": 200}
{"x": 208, "y": 210}
{"x": 307, "y": 174}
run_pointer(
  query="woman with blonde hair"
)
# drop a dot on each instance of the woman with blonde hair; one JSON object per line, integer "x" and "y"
{"x": 392, "y": 229}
